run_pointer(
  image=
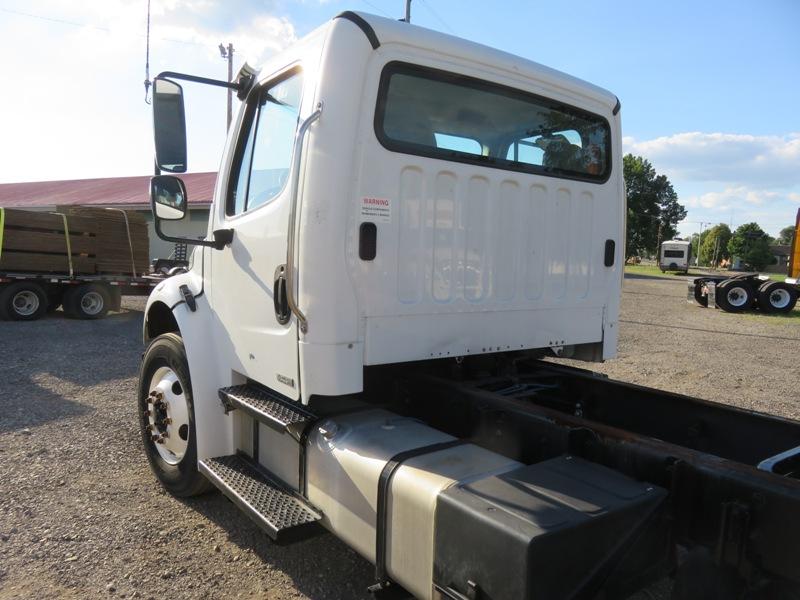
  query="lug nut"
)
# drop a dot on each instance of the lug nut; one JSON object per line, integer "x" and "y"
{"x": 155, "y": 437}
{"x": 149, "y": 428}
{"x": 160, "y": 440}
{"x": 168, "y": 421}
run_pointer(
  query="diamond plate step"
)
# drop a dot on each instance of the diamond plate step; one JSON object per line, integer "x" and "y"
{"x": 267, "y": 407}
{"x": 283, "y": 516}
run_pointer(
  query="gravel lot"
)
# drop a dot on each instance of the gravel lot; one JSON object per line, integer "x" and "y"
{"x": 82, "y": 517}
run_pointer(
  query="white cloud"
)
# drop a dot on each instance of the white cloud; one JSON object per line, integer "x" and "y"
{"x": 750, "y": 160}
{"x": 733, "y": 196}
{"x": 77, "y": 71}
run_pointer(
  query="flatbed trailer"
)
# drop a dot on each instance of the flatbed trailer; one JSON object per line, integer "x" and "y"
{"x": 29, "y": 296}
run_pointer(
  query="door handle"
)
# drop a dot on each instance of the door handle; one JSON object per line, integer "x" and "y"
{"x": 282, "y": 311}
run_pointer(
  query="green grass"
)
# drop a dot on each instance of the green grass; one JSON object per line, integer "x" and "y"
{"x": 773, "y": 319}
{"x": 653, "y": 271}
{"x": 776, "y": 276}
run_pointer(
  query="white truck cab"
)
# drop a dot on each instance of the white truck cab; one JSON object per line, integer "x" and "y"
{"x": 390, "y": 200}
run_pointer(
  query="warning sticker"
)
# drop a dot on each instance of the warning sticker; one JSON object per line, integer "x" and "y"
{"x": 377, "y": 210}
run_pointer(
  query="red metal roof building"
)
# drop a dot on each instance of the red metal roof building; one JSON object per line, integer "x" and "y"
{"x": 122, "y": 192}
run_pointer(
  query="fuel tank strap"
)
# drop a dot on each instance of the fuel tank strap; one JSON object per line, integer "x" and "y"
{"x": 381, "y": 524}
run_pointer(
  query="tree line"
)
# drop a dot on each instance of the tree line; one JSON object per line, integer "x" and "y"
{"x": 654, "y": 213}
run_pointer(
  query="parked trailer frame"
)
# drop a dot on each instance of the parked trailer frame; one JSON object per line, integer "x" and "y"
{"x": 29, "y": 296}
{"x": 743, "y": 292}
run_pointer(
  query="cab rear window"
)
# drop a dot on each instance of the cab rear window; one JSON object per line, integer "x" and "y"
{"x": 438, "y": 114}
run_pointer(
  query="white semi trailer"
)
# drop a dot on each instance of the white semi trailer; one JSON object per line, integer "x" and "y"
{"x": 403, "y": 224}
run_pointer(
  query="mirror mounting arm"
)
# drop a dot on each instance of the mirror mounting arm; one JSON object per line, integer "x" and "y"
{"x": 236, "y": 86}
{"x": 217, "y": 245}
{"x": 222, "y": 237}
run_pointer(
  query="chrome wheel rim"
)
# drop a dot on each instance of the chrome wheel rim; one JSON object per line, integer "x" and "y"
{"x": 780, "y": 298}
{"x": 168, "y": 415}
{"x": 92, "y": 303}
{"x": 25, "y": 303}
{"x": 737, "y": 296}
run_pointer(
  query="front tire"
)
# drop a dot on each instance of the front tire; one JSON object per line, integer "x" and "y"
{"x": 166, "y": 417}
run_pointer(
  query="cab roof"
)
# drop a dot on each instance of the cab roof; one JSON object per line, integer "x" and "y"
{"x": 387, "y": 31}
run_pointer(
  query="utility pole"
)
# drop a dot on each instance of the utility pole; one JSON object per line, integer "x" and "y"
{"x": 699, "y": 239}
{"x": 658, "y": 240}
{"x": 227, "y": 52}
{"x": 408, "y": 11}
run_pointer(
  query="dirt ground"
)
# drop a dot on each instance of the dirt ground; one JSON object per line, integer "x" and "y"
{"x": 81, "y": 516}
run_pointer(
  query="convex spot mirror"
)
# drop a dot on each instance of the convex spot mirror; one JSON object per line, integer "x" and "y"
{"x": 168, "y": 197}
{"x": 169, "y": 126}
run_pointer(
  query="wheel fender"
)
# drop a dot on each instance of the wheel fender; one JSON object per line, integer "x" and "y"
{"x": 214, "y": 428}
{"x": 167, "y": 294}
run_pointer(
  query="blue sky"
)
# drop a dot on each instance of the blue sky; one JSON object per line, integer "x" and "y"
{"x": 710, "y": 90}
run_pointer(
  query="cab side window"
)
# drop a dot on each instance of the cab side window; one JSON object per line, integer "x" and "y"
{"x": 265, "y": 159}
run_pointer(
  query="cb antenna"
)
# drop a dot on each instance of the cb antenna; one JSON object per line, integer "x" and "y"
{"x": 408, "y": 11}
{"x": 147, "y": 82}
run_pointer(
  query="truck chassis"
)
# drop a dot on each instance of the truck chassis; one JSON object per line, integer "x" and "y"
{"x": 733, "y": 476}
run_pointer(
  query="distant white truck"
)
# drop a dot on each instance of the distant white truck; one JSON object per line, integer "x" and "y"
{"x": 403, "y": 223}
{"x": 675, "y": 255}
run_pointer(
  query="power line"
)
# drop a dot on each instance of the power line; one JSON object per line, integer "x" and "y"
{"x": 87, "y": 25}
{"x": 436, "y": 16}
{"x": 378, "y": 8}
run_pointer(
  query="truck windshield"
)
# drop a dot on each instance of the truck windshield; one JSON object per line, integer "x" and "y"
{"x": 443, "y": 115}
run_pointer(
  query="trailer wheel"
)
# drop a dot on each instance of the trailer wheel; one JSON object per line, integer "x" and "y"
{"x": 22, "y": 301}
{"x": 87, "y": 301}
{"x": 734, "y": 295}
{"x": 699, "y": 296}
{"x": 166, "y": 416}
{"x": 776, "y": 297}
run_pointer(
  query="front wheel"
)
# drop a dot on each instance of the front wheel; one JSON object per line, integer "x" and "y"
{"x": 166, "y": 417}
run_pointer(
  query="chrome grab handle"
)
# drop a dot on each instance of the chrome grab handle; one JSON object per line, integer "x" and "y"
{"x": 290, "y": 283}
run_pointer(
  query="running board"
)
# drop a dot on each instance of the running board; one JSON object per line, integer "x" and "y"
{"x": 268, "y": 407}
{"x": 282, "y": 515}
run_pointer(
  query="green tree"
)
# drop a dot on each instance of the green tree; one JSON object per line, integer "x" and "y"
{"x": 714, "y": 246}
{"x": 786, "y": 235}
{"x": 751, "y": 244}
{"x": 652, "y": 204}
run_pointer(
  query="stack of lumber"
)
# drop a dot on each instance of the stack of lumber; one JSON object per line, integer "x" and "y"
{"x": 91, "y": 241}
{"x": 116, "y": 251}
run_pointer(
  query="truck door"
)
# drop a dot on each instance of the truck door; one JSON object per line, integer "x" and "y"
{"x": 262, "y": 340}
